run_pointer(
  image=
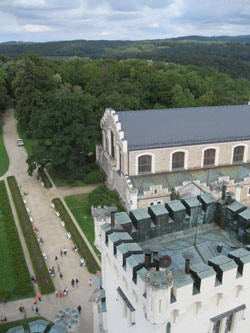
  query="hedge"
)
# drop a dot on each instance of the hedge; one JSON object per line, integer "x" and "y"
{"x": 43, "y": 278}
{"x": 44, "y": 178}
{"x": 76, "y": 237}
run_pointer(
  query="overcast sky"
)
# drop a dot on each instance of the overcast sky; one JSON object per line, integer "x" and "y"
{"x": 52, "y": 20}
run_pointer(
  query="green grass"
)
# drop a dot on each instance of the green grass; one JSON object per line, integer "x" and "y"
{"x": 59, "y": 181}
{"x": 28, "y": 142}
{"x": 14, "y": 275}
{"x": 4, "y": 159}
{"x": 24, "y": 322}
{"x": 80, "y": 208}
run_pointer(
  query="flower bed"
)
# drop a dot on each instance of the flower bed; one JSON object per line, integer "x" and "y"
{"x": 43, "y": 278}
{"x": 76, "y": 237}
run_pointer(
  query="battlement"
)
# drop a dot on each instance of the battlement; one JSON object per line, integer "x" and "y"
{"x": 216, "y": 271}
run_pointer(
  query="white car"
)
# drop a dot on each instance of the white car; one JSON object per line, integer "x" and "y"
{"x": 19, "y": 142}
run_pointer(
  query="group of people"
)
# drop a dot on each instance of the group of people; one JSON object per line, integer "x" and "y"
{"x": 62, "y": 293}
{"x": 74, "y": 282}
{"x": 52, "y": 272}
{"x": 3, "y": 319}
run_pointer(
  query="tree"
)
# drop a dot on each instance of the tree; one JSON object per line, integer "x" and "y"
{"x": 31, "y": 86}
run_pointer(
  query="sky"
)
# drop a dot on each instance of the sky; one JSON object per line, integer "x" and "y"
{"x": 54, "y": 20}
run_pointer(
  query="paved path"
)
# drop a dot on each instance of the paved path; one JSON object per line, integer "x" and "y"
{"x": 54, "y": 236}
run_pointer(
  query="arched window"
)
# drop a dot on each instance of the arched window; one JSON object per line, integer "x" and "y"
{"x": 238, "y": 155}
{"x": 209, "y": 157}
{"x": 144, "y": 163}
{"x": 178, "y": 160}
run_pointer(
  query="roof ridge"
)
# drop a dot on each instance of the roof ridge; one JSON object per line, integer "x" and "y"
{"x": 188, "y": 108}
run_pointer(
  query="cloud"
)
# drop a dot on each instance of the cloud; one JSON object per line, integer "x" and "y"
{"x": 33, "y": 20}
{"x": 36, "y": 28}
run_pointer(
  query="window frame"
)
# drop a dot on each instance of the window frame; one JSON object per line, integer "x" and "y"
{"x": 216, "y": 160}
{"x": 185, "y": 159}
{"x": 208, "y": 150}
{"x": 243, "y": 154}
{"x": 152, "y": 163}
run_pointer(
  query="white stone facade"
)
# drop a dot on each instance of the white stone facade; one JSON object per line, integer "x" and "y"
{"x": 162, "y": 302}
{"x": 121, "y": 164}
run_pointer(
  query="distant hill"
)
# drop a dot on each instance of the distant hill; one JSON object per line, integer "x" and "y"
{"x": 229, "y": 54}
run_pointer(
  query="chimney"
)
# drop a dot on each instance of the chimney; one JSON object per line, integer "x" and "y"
{"x": 219, "y": 248}
{"x": 112, "y": 214}
{"x": 147, "y": 258}
{"x": 156, "y": 259}
{"x": 224, "y": 188}
{"x": 187, "y": 266}
{"x": 229, "y": 198}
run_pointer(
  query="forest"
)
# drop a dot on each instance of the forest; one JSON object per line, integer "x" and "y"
{"x": 229, "y": 54}
{"x": 60, "y": 103}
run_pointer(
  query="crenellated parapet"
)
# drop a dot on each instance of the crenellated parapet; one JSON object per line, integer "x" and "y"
{"x": 173, "y": 290}
{"x": 111, "y": 114}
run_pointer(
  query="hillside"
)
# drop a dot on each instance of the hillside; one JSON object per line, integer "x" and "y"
{"x": 229, "y": 55}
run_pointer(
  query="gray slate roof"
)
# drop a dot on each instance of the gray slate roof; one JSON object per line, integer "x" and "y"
{"x": 145, "y": 129}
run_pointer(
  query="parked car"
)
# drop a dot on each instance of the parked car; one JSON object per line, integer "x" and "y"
{"x": 19, "y": 142}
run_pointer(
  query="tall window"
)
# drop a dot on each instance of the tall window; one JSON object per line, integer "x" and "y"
{"x": 209, "y": 157}
{"x": 144, "y": 163}
{"x": 112, "y": 145}
{"x": 178, "y": 160}
{"x": 216, "y": 327}
{"x": 238, "y": 154}
{"x": 229, "y": 322}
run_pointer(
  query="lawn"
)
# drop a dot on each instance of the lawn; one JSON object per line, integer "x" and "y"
{"x": 24, "y": 322}
{"x": 80, "y": 208}
{"x": 4, "y": 159}
{"x": 28, "y": 143}
{"x": 14, "y": 275}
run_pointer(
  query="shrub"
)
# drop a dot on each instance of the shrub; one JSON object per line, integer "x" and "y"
{"x": 104, "y": 197}
{"x": 94, "y": 177}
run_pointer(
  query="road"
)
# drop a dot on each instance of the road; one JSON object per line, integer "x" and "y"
{"x": 53, "y": 234}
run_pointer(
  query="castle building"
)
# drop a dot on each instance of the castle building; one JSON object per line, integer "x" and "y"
{"x": 179, "y": 267}
{"x": 147, "y": 155}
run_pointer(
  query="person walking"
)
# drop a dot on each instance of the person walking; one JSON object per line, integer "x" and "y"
{"x": 39, "y": 296}
{"x": 65, "y": 251}
{"x": 35, "y": 300}
{"x": 79, "y": 308}
{"x": 61, "y": 276}
{"x": 77, "y": 281}
{"x": 56, "y": 258}
{"x": 61, "y": 253}
{"x": 37, "y": 311}
{"x": 90, "y": 283}
{"x": 73, "y": 283}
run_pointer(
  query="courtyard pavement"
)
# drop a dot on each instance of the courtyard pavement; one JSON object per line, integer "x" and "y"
{"x": 54, "y": 237}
